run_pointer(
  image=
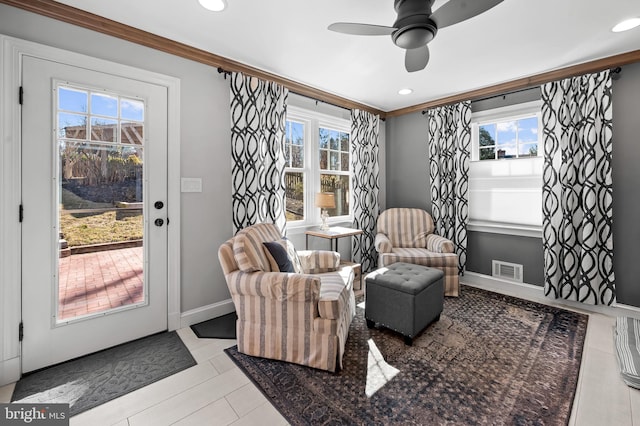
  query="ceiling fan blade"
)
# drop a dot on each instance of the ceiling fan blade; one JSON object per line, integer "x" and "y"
{"x": 455, "y": 11}
{"x": 361, "y": 29}
{"x": 416, "y": 59}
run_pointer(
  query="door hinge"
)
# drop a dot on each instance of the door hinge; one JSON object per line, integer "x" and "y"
{"x": 20, "y": 213}
{"x": 20, "y": 331}
{"x": 20, "y": 95}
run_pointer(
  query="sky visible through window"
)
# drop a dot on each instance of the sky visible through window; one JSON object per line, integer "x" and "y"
{"x": 509, "y": 139}
{"x": 106, "y": 114}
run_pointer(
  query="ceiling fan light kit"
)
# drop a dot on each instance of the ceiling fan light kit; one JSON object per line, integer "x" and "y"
{"x": 416, "y": 25}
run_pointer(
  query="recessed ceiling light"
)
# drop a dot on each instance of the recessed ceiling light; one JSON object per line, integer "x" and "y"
{"x": 626, "y": 25}
{"x": 214, "y": 5}
{"x": 406, "y": 91}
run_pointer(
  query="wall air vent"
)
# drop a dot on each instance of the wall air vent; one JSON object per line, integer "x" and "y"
{"x": 506, "y": 270}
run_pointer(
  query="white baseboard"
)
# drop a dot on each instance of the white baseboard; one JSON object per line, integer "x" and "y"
{"x": 536, "y": 293}
{"x": 9, "y": 371}
{"x": 204, "y": 313}
{"x": 628, "y": 307}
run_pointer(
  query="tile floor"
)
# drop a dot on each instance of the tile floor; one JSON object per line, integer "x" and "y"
{"x": 216, "y": 392}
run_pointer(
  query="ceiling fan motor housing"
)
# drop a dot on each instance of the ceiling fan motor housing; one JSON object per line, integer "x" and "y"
{"x": 414, "y": 25}
{"x": 414, "y": 35}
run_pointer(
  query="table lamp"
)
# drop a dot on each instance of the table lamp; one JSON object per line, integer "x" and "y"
{"x": 325, "y": 200}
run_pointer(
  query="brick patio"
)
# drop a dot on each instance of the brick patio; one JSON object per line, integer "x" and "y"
{"x": 95, "y": 282}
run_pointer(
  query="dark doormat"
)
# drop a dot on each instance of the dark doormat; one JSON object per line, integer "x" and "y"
{"x": 223, "y": 327}
{"x": 92, "y": 380}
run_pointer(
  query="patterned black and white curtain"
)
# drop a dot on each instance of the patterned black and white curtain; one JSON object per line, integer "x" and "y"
{"x": 449, "y": 156}
{"x": 577, "y": 189}
{"x": 365, "y": 186}
{"x": 258, "y": 118}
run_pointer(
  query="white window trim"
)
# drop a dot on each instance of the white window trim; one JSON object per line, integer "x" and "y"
{"x": 313, "y": 121}
{"x": 498, "y": 114}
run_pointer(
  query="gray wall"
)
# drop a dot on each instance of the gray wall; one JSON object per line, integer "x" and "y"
{"x": 407, "y": 155}
{"x": 626, "y": 181}
{"x": 408, "y": 181}
{"x": 483, "y": 247}
{"x": 204, "y": 138}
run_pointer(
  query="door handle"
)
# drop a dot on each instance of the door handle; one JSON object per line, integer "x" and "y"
{"x": 158, "y": 222}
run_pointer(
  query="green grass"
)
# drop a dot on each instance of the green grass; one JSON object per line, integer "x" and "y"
{"x": 81, "y": 229}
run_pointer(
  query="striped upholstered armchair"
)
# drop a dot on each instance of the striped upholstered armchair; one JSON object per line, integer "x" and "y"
{"x": 301, "y": 316}
{"x": 406, "y": 235}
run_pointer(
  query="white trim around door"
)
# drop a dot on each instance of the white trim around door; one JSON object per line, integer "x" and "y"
{"x": 11, "y": 51}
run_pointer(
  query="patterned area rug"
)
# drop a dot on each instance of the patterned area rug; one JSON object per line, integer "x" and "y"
{"x": 491, "y": 359}
{"x": 94, "y": 379}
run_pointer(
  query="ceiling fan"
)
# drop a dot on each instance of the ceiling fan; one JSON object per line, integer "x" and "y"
{"x": 416, "y": 25}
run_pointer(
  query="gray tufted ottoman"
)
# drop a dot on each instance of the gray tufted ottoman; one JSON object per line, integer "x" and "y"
{"x": 404, "y": 297}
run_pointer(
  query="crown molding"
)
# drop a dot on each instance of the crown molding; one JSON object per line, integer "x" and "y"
{"x": 81, "y": 18}
{"x": 526, "y": 82}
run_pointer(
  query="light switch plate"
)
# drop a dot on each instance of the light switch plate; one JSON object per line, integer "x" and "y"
{"x": 191, "y": 185}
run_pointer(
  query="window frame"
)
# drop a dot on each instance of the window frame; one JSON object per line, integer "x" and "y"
{"x": 312, "y": 122}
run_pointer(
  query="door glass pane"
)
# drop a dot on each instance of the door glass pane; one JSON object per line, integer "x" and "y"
{"x": 103, "y": 129}
{"x": 131, "y": 109}
{"x": 74, "y": 100}
{"x": 102, "y": 104}
{"x": 72, "y": 126}
{"x": 100, "y": 216}
{"x": 131, "y": 133}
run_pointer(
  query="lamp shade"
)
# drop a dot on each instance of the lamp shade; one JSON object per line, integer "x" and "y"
{"x": 325, "y": 200}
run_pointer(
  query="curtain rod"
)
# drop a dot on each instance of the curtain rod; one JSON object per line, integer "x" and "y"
{"x": 226, "y": 73}
{"x": 616, "y": 73}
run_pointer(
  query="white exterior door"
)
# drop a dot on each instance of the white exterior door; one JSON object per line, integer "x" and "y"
{"x": 94, "y": 194}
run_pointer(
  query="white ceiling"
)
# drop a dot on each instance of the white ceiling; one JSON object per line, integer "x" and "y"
{"x": 289, "y": 38}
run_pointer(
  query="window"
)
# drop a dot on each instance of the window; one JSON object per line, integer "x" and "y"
{"x": 317, "y": 159}
{"x": 334, "y": 168}
{"x": 295, "y": 171}
{"x": 497, "y": 136}
{"x": 505, "y": 195}
{"x": 508, "y": 139}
